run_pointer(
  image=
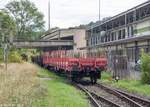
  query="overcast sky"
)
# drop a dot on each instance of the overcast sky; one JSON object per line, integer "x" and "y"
{"x": 67, "y": 13}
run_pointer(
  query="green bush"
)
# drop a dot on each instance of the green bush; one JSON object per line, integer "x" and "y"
{"x": 145, "y": 67}
{"x": 14, "y": 56}
{"x": 27, "y": 53}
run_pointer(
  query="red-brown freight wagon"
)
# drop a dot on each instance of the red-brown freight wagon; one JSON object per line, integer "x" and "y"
{"x": 75, "y": 64}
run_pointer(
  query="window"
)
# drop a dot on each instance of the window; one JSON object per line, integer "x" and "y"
{"x": 119, "y": 36}
{"x": 143, "y": 12}
{"x": 123, "y": 34}
{"x": 96, "y": 38}
{"x": 108, "y": 37}
{"x": 130, "y": 31}
{"x": 112, "y": 36}
{"x": 115, "y": 36}
{"x": 131, "y": 54}
{"x": 102, "y": 39}
{"x": 91, "y": 41}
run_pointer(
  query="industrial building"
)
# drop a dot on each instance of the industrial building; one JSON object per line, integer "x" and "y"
{"x": 77, "y": 35}
{"x": 125, "y": 34}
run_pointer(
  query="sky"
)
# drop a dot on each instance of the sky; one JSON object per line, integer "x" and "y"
{"x": 68, "y": 13}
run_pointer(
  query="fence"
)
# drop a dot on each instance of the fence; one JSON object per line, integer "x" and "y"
{"x": 120, "y": 66}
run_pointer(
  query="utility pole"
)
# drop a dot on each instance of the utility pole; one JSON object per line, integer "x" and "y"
{"x": 99, "y": 10}
{"x": 49, "y": 15}
{"x": 99, "y": 21}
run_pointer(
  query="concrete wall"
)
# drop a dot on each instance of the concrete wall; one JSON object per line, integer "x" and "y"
{"x": 78, "y": 35}
{"x": 79, "y": 39}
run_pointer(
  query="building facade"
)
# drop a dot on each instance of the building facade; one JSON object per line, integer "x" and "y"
{"x": 124, "y": 34}
{"x": 77, "y": 35}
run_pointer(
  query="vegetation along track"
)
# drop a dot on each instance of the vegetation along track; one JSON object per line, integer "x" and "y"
{"x": 139, "y": 102}
{"x": 142, "y": 101}
{"x": 107, "y": 97}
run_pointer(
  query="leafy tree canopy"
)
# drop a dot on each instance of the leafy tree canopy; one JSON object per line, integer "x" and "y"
{"x": 27, "y": 18}
{"x": 7, "y": 27}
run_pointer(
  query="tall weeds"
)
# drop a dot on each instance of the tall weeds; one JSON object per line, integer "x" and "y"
{"x": 20, "y": 86}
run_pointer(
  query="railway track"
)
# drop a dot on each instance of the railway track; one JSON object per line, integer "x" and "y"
{"x": 107, "y": 97}
{"x": 97, "y": 101}
{"x": 140, "y": 101}
{"x": 143, "y": 102}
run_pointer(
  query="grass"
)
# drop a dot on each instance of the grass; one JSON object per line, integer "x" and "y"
{"x": 133, "y": 86}
{"x": 21, "y": 86}
{"x": 61, "y": 94}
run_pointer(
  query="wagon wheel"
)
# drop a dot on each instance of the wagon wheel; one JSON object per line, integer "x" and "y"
{"x": 78, "y": 79}
{"x": 93, "y": 77}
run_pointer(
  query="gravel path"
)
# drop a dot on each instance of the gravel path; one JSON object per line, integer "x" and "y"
{"x": 45, "y": 78}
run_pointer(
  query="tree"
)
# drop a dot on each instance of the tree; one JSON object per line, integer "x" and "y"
{"x": 7, "y": 31}
{"x": 29, "y": 21}
{"x": 91, "y": 23}
{"x": 145, "y": 67}
{"x": 7, "y": 27}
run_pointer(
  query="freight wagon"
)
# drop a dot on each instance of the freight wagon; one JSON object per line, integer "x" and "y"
{"x": 76, "y": 64}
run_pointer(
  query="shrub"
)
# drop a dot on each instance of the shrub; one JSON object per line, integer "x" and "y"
{"x": 145, "y": 67}
{"x": 27, "y": 54}
{"x": 14, "y": 56}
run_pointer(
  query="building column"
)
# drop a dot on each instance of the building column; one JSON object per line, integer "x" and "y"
{"x": 136, "y": 52}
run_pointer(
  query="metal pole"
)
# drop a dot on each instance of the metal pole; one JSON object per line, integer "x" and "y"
{"x": 99, "y": 10}
{"x": 99, "y": 21}
{"x": 49, "y": 23}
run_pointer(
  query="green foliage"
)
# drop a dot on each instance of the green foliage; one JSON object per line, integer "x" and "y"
{"x": 7, "y": 26}
{"x": 14, "y": 56}
{"x": 134, "y": 86}
{"x": 145, "y": 66}
{"x": 28, "y": 19}
{"x": 106, "y": 75}
{"x": 60, "y": 93}
{"x": 28, "y": 53}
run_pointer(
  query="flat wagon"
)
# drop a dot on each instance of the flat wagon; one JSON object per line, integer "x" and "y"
{"x": 76, "y": 64}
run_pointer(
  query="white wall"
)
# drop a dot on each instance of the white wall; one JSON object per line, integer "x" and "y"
{"x": 79, "y": 39}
